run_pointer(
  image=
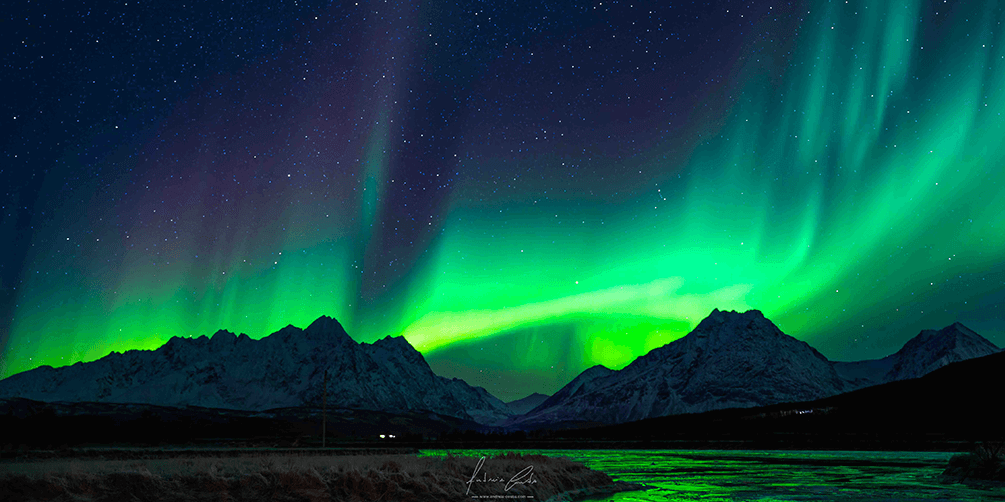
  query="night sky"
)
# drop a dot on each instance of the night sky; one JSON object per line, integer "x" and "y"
{"x": 521, "y": 189}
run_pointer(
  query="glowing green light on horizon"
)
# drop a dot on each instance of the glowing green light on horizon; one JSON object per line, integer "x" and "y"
{"x": 839, "y": 187}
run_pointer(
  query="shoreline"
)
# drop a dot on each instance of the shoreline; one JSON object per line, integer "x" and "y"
{"x": 266, "y": 475}
{"x": 228, "y": 446}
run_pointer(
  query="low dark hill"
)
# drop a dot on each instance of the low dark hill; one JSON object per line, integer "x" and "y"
{"x": 29, "y": 424}
{"x": 960, "y": 402}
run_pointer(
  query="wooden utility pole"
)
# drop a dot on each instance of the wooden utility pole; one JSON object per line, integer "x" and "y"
{"x": 324, "y": 412}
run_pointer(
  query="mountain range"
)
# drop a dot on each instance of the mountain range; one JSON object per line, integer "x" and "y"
{"x": 284, "y": 369}
{"x": 730, "y": 360}
{"x": 951, "y": 405}
{"x": 739, "y": 360}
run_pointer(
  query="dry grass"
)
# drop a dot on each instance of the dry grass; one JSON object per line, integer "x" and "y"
{"x": 365, "y": 478}
{"x": 984, "y": 464}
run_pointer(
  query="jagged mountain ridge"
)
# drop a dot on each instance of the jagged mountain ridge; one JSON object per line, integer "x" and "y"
{"x": 739, "y": 360}
{"x": 283, "y": 369}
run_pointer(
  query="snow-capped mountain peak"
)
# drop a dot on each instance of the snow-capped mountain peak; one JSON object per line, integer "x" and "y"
{"x": 730, "y": 359}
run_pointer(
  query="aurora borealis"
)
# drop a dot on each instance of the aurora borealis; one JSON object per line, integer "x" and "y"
{"x": 522, "y": 190}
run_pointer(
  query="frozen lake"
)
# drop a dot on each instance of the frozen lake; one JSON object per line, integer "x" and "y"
{"x": 770, "y": 475}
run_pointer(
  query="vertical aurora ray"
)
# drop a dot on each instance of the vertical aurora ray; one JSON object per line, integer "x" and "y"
{"x": 374, "y": 169}
{"x": 851, "y": 190}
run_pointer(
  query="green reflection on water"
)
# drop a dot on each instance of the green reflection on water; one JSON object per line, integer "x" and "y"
{"x": 711, "y": 475}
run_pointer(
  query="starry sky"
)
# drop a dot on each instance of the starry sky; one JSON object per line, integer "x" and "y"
{"x": 521, "y": 189}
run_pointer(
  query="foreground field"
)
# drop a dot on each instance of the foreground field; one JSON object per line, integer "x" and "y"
{"x": 296, "y": 477}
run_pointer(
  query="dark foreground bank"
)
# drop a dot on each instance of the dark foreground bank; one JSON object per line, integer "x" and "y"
{"x": 303, "y": 477}
{"x": 983, "y": 465}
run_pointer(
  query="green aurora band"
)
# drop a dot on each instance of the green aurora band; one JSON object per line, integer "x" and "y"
{"x": 854, "y": 186}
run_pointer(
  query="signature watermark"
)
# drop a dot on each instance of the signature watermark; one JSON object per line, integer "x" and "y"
{"x": 524, "y": 477}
